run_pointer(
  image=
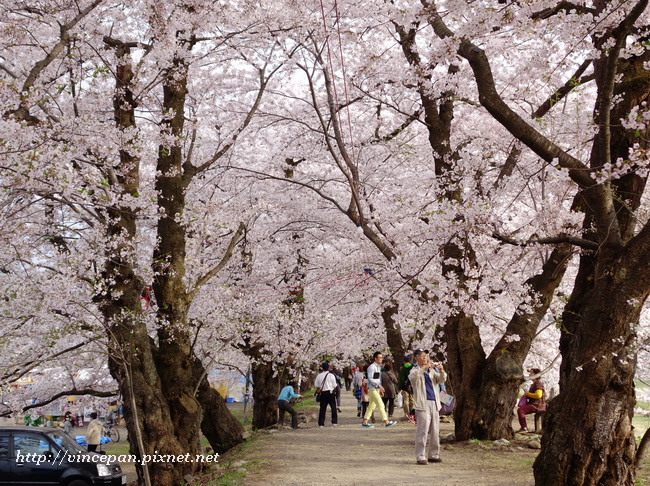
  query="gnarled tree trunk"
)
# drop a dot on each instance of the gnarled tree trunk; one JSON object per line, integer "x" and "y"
{"x": 502, "y": 372}
{"x": 588, "y": 435}
{"x": 266, "y": 389}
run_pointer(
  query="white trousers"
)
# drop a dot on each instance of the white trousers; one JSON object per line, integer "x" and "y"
{"x": 428, "y": 426}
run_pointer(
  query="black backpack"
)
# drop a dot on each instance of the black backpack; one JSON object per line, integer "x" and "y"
{"x": 407, "y": 387}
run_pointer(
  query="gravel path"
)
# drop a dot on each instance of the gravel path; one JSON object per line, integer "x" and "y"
{"x": 352, "y": 455}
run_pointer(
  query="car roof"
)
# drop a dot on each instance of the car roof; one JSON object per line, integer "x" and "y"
{"x": 23, "y": 428}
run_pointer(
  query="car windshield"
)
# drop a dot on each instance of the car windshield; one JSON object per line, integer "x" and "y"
{"x": 66, "y": 442}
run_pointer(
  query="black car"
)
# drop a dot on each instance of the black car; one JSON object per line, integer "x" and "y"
{"x": 35, "y": 455}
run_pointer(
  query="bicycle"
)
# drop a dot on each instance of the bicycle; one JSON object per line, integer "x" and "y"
{"x": 111, "y": 432}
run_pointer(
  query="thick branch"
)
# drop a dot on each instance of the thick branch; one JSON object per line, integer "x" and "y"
{"x": 563, "y": 7}
{"x": 550, "y": 240}
{"x": 73, "y": 392}
{"x": 222, "y": 263}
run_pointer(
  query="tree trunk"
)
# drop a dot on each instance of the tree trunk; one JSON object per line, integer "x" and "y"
{"x": 393, "y": 333}
{"x": 132, "y": 359}
{"x": 148, "y": 418}
{"x": 265, "y": 395}
{"x": 502, "y": 373}
{"x": 465, "y": 361}
{"x": 588, "y": 436}
{"x": 219, "y": 426}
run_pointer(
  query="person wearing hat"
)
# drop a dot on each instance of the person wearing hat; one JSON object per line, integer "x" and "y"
{"x": 424, "y": 379}
{"x": 535, "y": 397}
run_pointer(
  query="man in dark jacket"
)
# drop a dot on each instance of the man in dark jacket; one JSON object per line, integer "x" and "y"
{"x": 404, "y": 386}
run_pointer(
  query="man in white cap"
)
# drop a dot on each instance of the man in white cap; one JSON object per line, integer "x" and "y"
{"x": 424, "y": 379}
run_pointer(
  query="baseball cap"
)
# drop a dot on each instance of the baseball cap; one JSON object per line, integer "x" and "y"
{"x": 420, "y": 351}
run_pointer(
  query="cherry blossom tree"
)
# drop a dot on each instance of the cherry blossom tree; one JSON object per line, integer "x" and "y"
{"x": 101, "y": 117}
{"x": 594, "y": 409}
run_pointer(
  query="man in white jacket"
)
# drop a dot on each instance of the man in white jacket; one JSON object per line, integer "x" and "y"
{"x": 424, "y": 379}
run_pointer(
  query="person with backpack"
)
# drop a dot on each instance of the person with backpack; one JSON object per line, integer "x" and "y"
{"x": 404, "y": 386}
{"x": 357, "y": 384}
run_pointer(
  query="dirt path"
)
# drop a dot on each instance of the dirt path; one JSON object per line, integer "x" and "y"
{"x": 352, "y": 455}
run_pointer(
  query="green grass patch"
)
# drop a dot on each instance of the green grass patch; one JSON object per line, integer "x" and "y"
{"x": 477, "y": 442}
{"x": 116, "y": 448}
{"x": 232, "y": 468}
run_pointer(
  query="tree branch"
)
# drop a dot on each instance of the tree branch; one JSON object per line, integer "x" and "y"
{"x": 224, "y": 260}
{"x": 560, "y": 93}
{"x": 22, "y": 112}
{"x": 74, "y": 392}
{"x": 563, "y": 6}
{"x": 550, "y": 240}
{"x": 29, "y": 365}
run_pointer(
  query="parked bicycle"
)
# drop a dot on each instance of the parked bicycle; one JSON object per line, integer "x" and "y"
{"x": 110, "y": 431}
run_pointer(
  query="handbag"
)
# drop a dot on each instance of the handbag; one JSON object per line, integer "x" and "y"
{"x": 522, "y": 401}
{"x": 448, "y": 403}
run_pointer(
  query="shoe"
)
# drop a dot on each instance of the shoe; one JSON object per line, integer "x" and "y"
{"x": 411, "y": 418}
{"x": 523, "y": 430}
{"x": 335, "y": 425}
{"x": 359, "y": 413}
{"x": 321, "y": 426}
{"x": 391, "y": 423}
{"x": 422, "y": 461}
{"x": 368, "y": 426}
{"x": 434, "y": 459}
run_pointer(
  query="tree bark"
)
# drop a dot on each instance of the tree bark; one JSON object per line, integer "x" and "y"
{"x": 588, "y": 431}
{"x": 163, "y": 385}
{"x": 131, "y": 360}
{"x": 598, "y": 359}
{"x": 219, "y": 426}
{"x": 266, "y": 389}
{"x": 393, "y": 333}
